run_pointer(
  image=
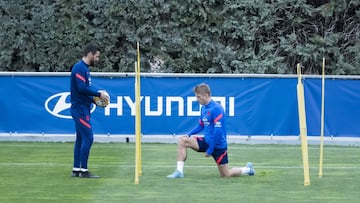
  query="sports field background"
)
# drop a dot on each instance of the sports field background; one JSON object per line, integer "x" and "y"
{"x": 40, "y": 172}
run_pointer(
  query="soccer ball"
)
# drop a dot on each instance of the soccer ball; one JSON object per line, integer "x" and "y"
{"x": 101, "y": 102}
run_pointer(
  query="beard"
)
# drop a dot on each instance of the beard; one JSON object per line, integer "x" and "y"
{"x": 92, "y": 63}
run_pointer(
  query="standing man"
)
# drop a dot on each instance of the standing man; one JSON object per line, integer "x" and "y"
{"x": 214, "y": 143}
{"x": 82, "y": 94}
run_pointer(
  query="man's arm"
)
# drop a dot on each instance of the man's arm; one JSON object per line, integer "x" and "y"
{"x": 80, "y": 80}
{"x": 218, "y": 119}
{"x": 197, "y": 129}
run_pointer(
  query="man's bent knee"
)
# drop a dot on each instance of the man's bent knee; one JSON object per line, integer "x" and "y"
{"x": 186, "y": 141}
{"x": 183, "y": 140}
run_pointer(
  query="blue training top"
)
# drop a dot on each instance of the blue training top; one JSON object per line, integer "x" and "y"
{"x": 212, "y": 120}
{"x": 81, "y": 90}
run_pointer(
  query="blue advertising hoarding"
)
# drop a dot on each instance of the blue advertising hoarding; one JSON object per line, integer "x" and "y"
{"x": 253, "y": 105}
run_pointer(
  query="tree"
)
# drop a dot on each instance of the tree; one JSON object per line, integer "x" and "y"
{"x": 189, "y": 36}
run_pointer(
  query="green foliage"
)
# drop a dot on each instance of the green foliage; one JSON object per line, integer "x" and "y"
{"x": 189, "y": 36}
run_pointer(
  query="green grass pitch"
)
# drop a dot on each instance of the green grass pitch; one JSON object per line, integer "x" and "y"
{"x": 40, "y": 172}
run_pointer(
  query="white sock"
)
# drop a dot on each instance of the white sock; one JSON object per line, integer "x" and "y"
{"x": 245, "y": 170}
{"x": 76, "y": 169}
{"x": 84, "y": 169}
{"x": 180, "y": 166}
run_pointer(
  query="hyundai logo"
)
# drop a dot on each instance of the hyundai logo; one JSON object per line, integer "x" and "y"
{"x": 59, "y": 105}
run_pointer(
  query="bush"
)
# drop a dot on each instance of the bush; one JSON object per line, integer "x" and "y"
{"x": 189, "y": 36}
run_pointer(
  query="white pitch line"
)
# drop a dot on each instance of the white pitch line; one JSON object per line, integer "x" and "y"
{"x": 169, "y": 166}
{"x": 231, "y": 147}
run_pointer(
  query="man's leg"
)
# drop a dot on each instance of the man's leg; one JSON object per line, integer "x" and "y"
{"x": 225, "y": 172}
{"x": 77, "y": 145}
{"x": 77, "y": 157}
{"x": 184, "y": 143}
{"x": 236, "y": 171}
{"x": 87, "y": 141}
{"x": 87, "y": 138}
{"x": 221, "y": 158}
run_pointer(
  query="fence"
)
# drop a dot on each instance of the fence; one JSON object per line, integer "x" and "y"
{"x": 255, "y": 104}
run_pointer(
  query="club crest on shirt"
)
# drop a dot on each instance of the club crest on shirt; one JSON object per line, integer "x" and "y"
{"x": 205, "y": 121}
{"x": 218, "y": 124}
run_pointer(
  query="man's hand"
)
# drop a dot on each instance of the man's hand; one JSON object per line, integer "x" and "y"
{"x": 207, "y": 155}
{"x": 103, "y": 100}
{"x": 104, "y": 95}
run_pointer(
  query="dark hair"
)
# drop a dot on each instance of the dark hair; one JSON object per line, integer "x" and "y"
{"x": 91, "y": 47}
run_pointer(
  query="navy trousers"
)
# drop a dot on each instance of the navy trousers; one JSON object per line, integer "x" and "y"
{"x": 84, "y": 136}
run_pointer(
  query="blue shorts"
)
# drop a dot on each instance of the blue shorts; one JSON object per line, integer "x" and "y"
{"x": 220, "y": 155}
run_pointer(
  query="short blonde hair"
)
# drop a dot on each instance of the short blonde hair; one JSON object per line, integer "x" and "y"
{"x": 202, "y": 88}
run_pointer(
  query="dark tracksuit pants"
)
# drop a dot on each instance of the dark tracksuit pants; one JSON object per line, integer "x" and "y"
{"x": 84, "y": 135}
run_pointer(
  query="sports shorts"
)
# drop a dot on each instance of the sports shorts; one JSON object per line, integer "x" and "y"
{"x": 220, "y": 155}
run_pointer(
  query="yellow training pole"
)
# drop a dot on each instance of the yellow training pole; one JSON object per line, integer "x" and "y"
{"x": 302, "y": 125}
{"x": 137, "y": 119}
{"x": 139, "y": 112}
{"x": 322, "y": 119}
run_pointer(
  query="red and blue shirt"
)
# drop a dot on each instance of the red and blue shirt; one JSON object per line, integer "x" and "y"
{"x": 212, "y": 121}
{"x": 81, "y": 90}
